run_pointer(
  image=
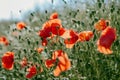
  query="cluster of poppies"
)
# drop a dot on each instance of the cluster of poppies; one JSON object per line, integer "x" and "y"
{"x": 52, "y": 28}
{"x": 107, "y": 37}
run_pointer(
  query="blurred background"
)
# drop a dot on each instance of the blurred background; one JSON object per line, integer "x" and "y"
{"x": 36, "y": 12}
{"x": 16, "y": 9}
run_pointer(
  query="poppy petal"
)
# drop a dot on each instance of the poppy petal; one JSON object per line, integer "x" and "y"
{"x": 54, "y": 15}
{"x": 85, "y": 35}
{"x": 101, "y": 25}
{"x": 106, "y": 39}
{"x": 8, "y": 60}
{"x": 57, "y": 71}
{"x": 32, "y": 71}
{"x": 49, "y": 63}
{"x": 21, "y": 25}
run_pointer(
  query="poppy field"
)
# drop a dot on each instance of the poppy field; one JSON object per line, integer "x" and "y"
{"x": 67, "y": 44}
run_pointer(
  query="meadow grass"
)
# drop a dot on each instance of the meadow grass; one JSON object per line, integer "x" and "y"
{"x": 87, "y": 63}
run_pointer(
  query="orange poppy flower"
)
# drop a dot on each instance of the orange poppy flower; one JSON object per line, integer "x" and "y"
{"x": 39, "y": 50}
{"x": 106, "y": 39}
{"x": 32, "y": 71}
{"x": 49, "y": 63}
{"x": 48, "y": 23}
{"x": 8, "y": 60}
{"x": 85, "y": 35}
{"x": 69, "y": 42}
{"x": 100, "y": 25}
{"x": 60, "y": 68}
{"x": 57, "y": 54}
{"x": 54, "y": 15}
{"x": 21, "y": 25}
{"x": 63, "y": 62}
{"x": 3, "y": 40}
{"x": 23, "y": 63}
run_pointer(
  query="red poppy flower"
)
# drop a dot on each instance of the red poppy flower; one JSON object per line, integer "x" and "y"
{"x": 45, "y": 32}
{"x": 49, "y": 29}
{"x": 69, "y": 42}
{"x": 3, "y": 40}
{"x": 100, "y": 25}
{"x": 32, "y": 71}
{"x": 106, "y": 39}
{"x": 8, "y": 60}
{"x": 21, "y": 25}
{"x": 85, "y": 35}
{"x": 54, "y": 15}
{"x": 49, "y": 63}
{"x": 57, "y": 29}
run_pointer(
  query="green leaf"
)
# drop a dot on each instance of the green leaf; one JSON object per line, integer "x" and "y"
{"x": 99, "y": 4}
{"x": 28, "y": 41}
{"x": 46, "y": 11}
{"x": 19, "y": 37}
{"x": 37, "y": 42}
{"x": 112, "y": 9}
{"x": 0, "y": 47}
{"x": 25, "y": 50}
{"x": 31, "y": 14}
{"x": 102, "y": 1}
